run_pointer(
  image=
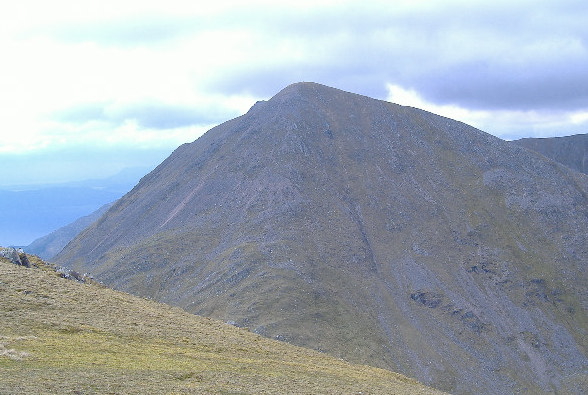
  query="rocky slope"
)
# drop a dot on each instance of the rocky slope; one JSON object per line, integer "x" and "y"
{"x": 572, "y": 151}
{"x": 383, "y": 234}
{"x": 63, "y": 337}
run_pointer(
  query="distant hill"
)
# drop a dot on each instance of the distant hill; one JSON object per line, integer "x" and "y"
{"x": 59, "y": 336}
{"x": 48, "y": 246}
{"x": 572, "y": 151}
{"x": 379, "y": 233}
{"x": 29, "y": 212}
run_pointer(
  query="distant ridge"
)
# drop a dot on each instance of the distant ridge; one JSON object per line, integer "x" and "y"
{"x": 383, "y": 234}
{"x": 50, "y": 245}
{"x": 29, "y": 212}
{"x": 571, "y": 151}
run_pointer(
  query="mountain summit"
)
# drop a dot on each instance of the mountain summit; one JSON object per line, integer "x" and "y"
{"x": 379, "y": 233}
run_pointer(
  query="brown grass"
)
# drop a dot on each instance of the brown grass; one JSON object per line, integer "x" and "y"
{"x": 60, "y": 336}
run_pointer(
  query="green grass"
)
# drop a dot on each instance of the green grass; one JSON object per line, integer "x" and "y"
{"x": 60, "y": 336}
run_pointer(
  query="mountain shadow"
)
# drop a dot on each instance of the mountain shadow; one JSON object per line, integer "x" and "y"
{"x": 374, "y": 232}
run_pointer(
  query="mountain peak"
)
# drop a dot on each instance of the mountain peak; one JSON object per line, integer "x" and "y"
{"x": 303, "y": 88}
{"x": 312, "y": 92}
{"x": 383, "y": 234}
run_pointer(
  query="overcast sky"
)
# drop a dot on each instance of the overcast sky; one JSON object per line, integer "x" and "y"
{"x": 89, "y": 87}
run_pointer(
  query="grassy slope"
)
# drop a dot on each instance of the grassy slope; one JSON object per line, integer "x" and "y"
{"x": 60, "y": 336}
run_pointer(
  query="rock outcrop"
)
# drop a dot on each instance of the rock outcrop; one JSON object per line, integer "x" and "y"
{"x": 16, "y": 256}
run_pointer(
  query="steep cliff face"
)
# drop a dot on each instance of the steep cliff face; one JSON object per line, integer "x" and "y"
{"x": 379, "y": 233}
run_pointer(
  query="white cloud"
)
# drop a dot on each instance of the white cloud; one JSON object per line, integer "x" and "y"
{"x": 152, "y": 73}
{"x": 44, "y": 77}
{"x": 502, "y": 123}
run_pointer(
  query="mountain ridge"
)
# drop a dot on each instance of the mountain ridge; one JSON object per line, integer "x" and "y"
{"x": 571, "y": 151}
{"x": 51, "y": 244}
{"x": 372, "y": 231}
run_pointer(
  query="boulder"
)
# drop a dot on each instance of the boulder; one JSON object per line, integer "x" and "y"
{"x": 15, "y": 256}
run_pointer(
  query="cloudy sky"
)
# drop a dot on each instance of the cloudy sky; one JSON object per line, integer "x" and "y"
{"x": 90, "y": 87}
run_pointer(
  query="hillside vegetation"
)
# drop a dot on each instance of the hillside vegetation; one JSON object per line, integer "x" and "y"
{"x": 66, "y": 337}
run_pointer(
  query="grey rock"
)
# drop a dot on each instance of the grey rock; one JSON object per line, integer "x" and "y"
{"x": 15, "y": 256}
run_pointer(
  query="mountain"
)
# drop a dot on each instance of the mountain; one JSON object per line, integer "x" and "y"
{"x": 572, "y": 151}
{"x": 60, "y": 336}
{"x": 382, "y": 234}
{"x": 49, "y": 245}
{"x": 28, "y": 212}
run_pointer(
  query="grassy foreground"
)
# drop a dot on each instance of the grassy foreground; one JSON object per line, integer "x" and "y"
{"x": 64, "y": 337}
